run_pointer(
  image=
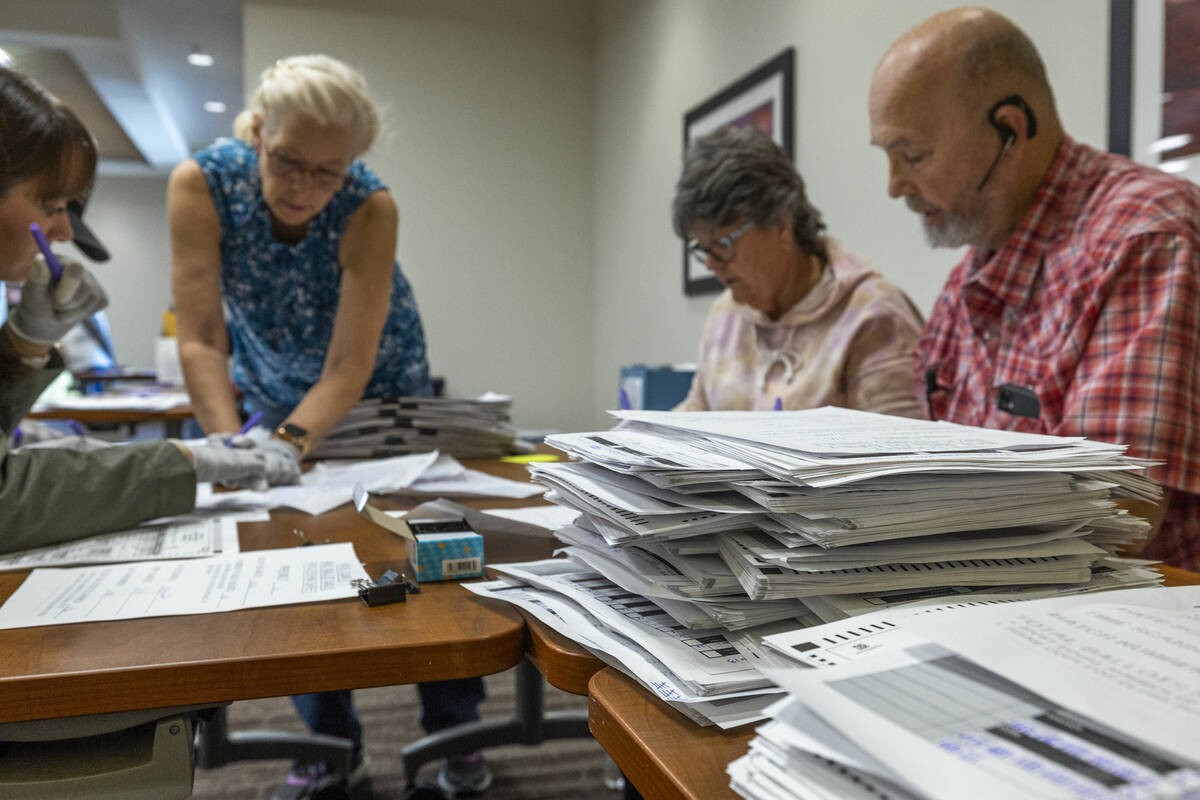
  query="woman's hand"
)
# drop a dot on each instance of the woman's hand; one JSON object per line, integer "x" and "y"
{"x": 48, "y": 310}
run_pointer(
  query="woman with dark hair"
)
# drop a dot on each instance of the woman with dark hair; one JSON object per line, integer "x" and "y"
{"x": 803, "y": 323}
{"x": 47, "y": 158}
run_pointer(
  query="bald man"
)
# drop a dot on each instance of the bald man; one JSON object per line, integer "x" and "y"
{"x": 1077, "y": 309}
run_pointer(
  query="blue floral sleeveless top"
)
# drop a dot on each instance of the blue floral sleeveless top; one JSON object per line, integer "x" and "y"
{"x": 282, "y": 298}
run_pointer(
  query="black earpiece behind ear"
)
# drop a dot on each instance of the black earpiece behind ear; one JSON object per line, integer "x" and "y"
{"x": 1007, "y": 134}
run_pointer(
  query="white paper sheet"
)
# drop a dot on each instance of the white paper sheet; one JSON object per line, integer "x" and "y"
{"x": 378, "y": 475}
{"x": 197, "y": 586}
{"x": 548, "y": 517}
{"x": 1061, "y": 698}
{"x": 832, "y": 431}
{"x": 1130, "y": 659}
{"x": 209, "y": 537}
{"x": 475, "y": 483}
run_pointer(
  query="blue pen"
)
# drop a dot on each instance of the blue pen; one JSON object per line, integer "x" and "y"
{"x": 779, "y": 404}
{"x": 624, "y": 398}
{"x": 43, "y": 244}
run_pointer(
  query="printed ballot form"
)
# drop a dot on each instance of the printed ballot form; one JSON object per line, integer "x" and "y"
{"x": 1088, "y": 696}
{"x": 192, "y": 539}
{"x": 194, "y": 586}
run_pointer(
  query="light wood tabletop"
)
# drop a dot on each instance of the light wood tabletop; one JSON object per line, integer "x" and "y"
{"x": 443, "y": 632}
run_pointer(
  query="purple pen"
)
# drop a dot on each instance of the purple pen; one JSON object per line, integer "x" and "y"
{"x": 779, "y": 404}
{"x": 250, "y": 423}
{"x": 43, "y": 244}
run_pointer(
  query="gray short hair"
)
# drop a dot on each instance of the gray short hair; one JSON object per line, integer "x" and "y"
{"x": 315, "y": 86}
{"x": 733, "y": 174}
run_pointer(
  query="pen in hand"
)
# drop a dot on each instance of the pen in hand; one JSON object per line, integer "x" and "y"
{"x": 250, "y": 423}
{"x": 43, "y": 244}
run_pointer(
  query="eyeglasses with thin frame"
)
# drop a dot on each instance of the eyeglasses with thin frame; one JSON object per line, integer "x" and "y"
{"x": 286, "y": 168}
{"x": 721, "y": 249}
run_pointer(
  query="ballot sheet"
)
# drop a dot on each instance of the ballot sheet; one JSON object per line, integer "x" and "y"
{"x": 193, "y": 586}
{"x": 195, "y": 539}
{"x": 1085, "y": 696}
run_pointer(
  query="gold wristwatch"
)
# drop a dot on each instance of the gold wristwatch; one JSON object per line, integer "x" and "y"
{"x": 294, "y": 435}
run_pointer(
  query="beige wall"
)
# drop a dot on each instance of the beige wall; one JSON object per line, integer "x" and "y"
{"x": 658, "y": 58}
{"x": 532, "y": 149}
{"x": 130, "y": 216}
{"x": 488, "y": 153}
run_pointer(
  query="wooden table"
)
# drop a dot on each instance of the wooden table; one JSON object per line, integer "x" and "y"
{"x": 669, "y": 757}
{"x": 443, "y": 632}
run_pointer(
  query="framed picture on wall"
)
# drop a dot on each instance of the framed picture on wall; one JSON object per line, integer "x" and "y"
{"x": 1154, "y": 83}
{"x": 762, "y": 98}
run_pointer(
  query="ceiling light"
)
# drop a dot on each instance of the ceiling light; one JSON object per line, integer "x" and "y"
{"x": 1170, "y": 143}
{"x": 214, "y": 107}
{"x": 5, "y": 59}
{"x": 1177, "y": 165}
{"x": 198, "y": 59}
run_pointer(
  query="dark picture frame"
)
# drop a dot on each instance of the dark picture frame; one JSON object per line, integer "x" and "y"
{"x": 1154, "y": 83}
{"x": 763, "y": 97}
{"x": 1120, "y": 76}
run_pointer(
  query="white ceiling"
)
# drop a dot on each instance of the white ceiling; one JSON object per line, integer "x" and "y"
{"x": 133, "y": 53}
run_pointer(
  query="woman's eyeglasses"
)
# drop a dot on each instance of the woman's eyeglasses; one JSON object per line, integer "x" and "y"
{"x": 721, "y": 249}
{"x": 286, "y": 168}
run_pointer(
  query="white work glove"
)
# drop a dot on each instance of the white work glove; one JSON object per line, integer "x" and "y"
{"x": 30, "y": 431}
{"x": 236, "y": 468}
{"x": 282, "y": 462}
{"x": 47, "y": 312}
{"x": 238, "y": 441}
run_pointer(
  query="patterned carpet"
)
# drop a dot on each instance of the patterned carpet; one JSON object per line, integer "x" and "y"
{"x": 571, "y": 769}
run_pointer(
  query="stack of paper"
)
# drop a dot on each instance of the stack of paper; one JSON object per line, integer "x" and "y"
{"x": 1092, "y": 696}
{"x": 465, "y": 427}
{"x": 837, "y": 502}
{"x": 729, "y": 522}
{"x": 699, "y": 670}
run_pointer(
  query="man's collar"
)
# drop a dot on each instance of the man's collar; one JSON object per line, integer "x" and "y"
{"x": 1009, "y": 273}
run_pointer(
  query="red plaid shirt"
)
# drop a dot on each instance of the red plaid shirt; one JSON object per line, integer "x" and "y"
{"x": 1094, "y": 303}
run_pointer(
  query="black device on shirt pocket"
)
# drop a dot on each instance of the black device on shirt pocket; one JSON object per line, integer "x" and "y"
{"x": 1019, "y": 400}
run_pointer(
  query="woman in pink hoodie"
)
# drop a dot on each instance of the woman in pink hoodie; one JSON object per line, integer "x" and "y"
{"x": 802, "y": 320}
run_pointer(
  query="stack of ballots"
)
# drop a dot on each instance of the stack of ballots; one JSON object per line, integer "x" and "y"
{"x": 478, "y": 427}
{"x": 1087, "y": 695}
{"x": 728, "y": 526}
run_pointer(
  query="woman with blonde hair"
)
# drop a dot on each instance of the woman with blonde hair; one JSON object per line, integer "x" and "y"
{"x": 287, "y": 232}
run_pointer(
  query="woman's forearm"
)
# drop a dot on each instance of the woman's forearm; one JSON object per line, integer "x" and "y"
{"x": 328, "y": 400}
{"x": 206, "y": 375}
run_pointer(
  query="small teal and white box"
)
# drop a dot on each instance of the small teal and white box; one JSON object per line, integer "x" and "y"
{"x": 448, "y": 555}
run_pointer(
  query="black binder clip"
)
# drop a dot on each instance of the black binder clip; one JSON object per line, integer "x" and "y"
{"x": 392, "y": 587}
